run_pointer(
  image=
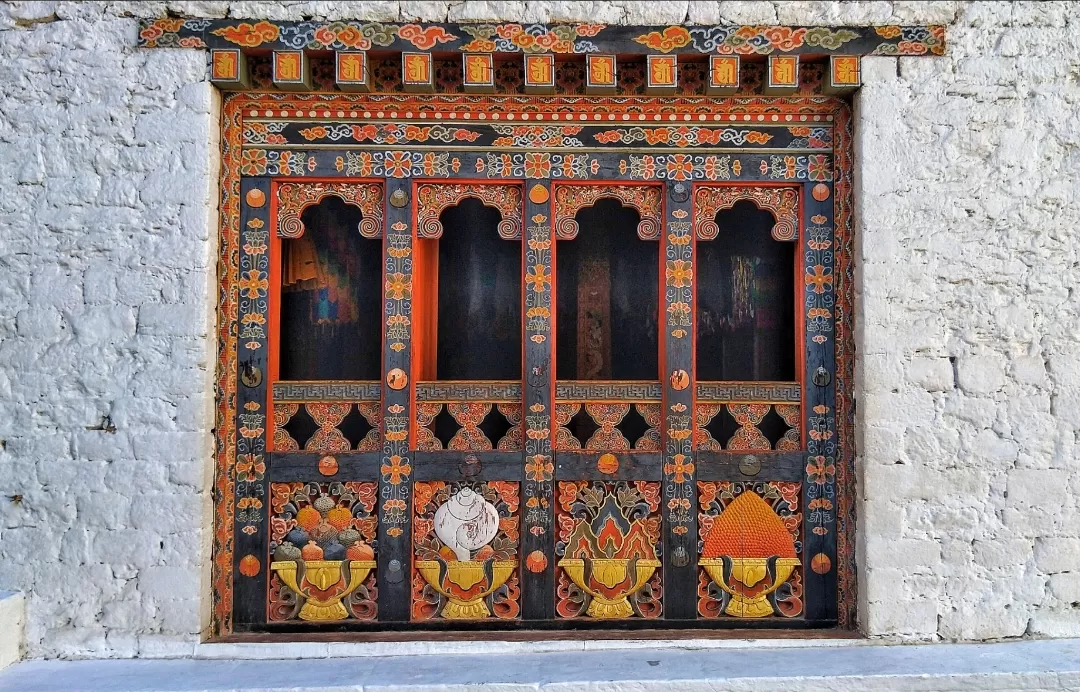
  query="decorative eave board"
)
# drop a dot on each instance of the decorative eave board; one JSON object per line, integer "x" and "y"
{"x": 513, "y": 38}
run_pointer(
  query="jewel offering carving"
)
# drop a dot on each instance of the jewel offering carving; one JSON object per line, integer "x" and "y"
{"x": 322, "y": 538}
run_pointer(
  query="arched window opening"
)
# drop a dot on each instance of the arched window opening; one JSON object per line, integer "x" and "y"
{"x": 745, "y": 300}
{"x": 607, "y": 299}
{"x": 468, "y": 307}
{"x": 331, "y": 301}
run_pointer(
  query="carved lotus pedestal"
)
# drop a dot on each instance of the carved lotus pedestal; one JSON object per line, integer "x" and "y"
{"x": 610, "y": 582}
{"x": 747, "y": 582}
{"x": 465, "y": 584}
{"x": 323, "y": 584}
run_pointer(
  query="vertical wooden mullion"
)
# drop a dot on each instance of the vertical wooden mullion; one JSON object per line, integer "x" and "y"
{"x": 251, "y": 472}
{"x": 395, "y": 479}
{"x": 538, "y": 405}
{"x": 679, "y": 495}
{"x": 819, "y": 496}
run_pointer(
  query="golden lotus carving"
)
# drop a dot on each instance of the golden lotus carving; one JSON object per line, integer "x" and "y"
{"x": 610, "y": 582}
{"x": 465, "y": 584}
{"x": 746, "y": 582}
{"x": 323, "y": 584}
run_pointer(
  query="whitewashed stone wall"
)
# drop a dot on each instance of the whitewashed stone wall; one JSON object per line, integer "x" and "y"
{"x": 969, "y": 319}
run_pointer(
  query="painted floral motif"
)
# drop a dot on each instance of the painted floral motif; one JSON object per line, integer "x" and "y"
{"x": 389, "y": 133}
{"x": 537, "y": 136}
{"x": 396, "y": 466}
{"x": 534, "y": 38}
{"x": 683, "y": 136}
{"x": 263, "y": 162}
{"x": 397, "y": 164}
{"x": 678, "y": 167}
{"x": 783, "y": 202}
{"x": 790, "y": 167}
{"x": 539, "y": 164}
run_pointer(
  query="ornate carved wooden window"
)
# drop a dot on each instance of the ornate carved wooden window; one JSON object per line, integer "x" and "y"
{"x": 541, "y": 361}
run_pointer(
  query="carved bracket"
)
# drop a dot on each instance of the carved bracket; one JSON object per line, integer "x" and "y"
{"x": 294, "y": 198}
{"x": 570, "y": 199}
{"x": 783, "y": 202}
{"x": 433, "y": 198}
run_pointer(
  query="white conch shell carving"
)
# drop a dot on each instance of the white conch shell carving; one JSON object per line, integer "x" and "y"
{"x": 466, "y": 522}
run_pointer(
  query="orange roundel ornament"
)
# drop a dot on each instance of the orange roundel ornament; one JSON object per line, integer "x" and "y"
{"x": 249, "y": 566}
{"x": 256, "y": 198}
{"x": 607, "y": 463}
{"x": 536, "y": 562}
{"x": 680, "y": 380}
{"x": 538, "y": 194}
{"x": 821, "y": 564}
{"x": 397, "y": 379}
{"x": 820, "y": 192}
{"x": 328, "y": 465}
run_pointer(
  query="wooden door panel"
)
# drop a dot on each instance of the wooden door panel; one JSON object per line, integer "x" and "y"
{"x": 712, "y": 509}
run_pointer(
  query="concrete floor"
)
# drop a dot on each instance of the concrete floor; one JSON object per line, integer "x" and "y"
{"x": 1024, "y": 665}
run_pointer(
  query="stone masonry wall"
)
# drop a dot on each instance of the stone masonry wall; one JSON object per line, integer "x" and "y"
{"x": 968, "y": 337}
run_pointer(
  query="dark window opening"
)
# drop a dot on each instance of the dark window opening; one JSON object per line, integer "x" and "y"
{"x": 606, "y": 281}
{"x": 470, "y": 288}
{"x": 331, "y": 300}
{"x": 745, "y": 300}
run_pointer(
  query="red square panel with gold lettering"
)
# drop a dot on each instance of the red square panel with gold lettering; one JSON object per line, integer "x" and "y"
{"x": 663, "y": 74}
{"x": 723, "y": 74}
{"x": 291, "y": 70}
{"x": 600, "y": 74}
{"x": 783, "y": 75}
{"x": 844, "y": 74}
{"x": 351, "y": 71}
{"x": 540, "y": 74}
{"x": 479, "y": 72}
{"x": 417, "y": 72}
{"x": 228, "y": 69}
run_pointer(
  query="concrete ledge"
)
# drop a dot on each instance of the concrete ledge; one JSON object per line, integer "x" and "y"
{"x": 1025, "y": 665}
{"x": 12, "y": 622}
{"x": 304, "y": 650}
